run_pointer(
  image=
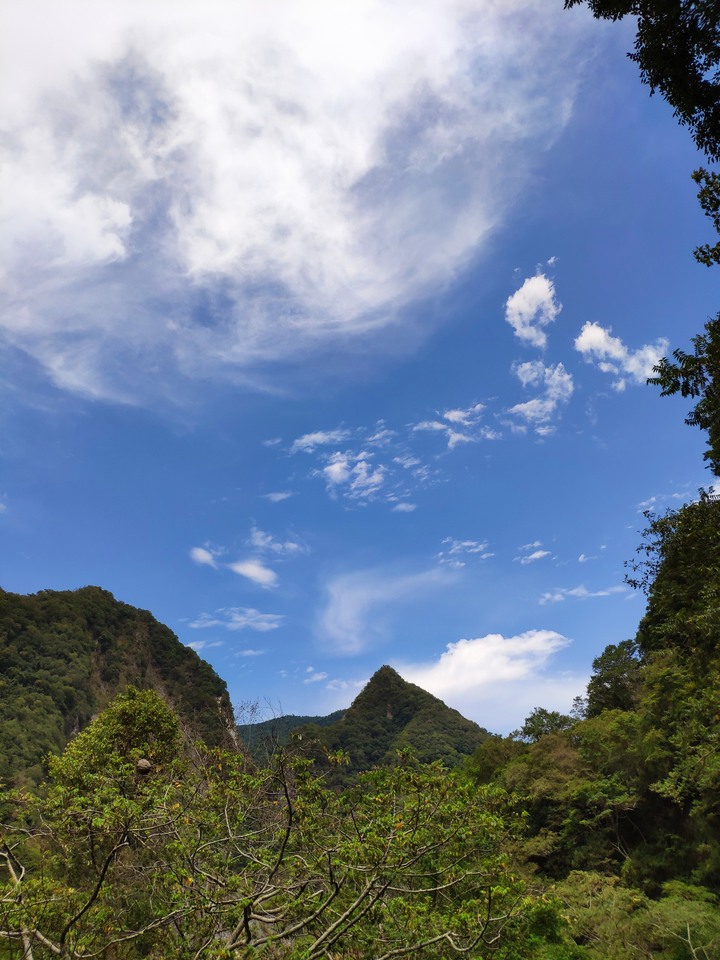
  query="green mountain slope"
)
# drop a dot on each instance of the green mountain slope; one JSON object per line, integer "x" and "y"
{"x": 65, "y": 654}
{"x": 388, "y": 715}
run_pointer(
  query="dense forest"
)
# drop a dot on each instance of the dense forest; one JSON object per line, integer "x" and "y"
{"x": 399, "y": 828}
{"x": 586, "y": 836}
{"x": 65, "y": 654}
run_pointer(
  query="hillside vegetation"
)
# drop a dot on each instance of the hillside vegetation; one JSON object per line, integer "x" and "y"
{"x": 65, "y": 654}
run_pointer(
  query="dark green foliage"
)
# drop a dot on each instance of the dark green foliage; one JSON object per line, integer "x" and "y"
{"x": 677, "y": 49}
{"x": 541, "y": 722}
{"x": 615, "y": 679}
{"x": 709, "y": 197}
{"x": 697, "y": 375}
{"x": 680, "y": 571}
{"x": 203, "y": 856}
{"x": 63, "y": 655}
{"x": 264, "y": 737}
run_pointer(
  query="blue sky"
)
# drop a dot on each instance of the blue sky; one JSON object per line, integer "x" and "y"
{"x": 324, "y": 331}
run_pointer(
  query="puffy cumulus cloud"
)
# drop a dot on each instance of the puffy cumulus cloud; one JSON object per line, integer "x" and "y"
{"x": 353, "y": 615}
{"x": 256, "y": 571}
{"x": 579, "y": 593}
{"x": 354, "y": 474}
{"x": 612, "y": 356}
{"x": 238, "y": 618}
{"x": 531, "y": 308}
{"x": 498, "y": 680}
{"x": 206, "y": 189}
{"x": 556, "y": 387}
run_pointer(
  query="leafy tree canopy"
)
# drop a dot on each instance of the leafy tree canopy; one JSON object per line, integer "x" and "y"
{"x": 697, "y": 375}
{"x": 677, "y": 49}
{"x": 201, "y": 855}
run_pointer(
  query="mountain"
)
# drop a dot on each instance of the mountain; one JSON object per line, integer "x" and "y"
{"x": 65, "y": 654}
{"x": 263, "y": 737}
{"x": 388, "y": 715}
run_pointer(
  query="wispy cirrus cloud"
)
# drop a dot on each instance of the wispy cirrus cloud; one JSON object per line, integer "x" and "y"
{"x": 309, "y": 442}
{"x": 352, "y": 617}
{"x": 243, "y": 183}
{"x": 579, "y": 593}
{"x": 238, "y": 618}
{"x": 612, "y": 356}
{"x": 459, "y": 426}
{"x": 266, "y": 543}
{"x": 456, "y": 552}
{"x": 531, "y": 553}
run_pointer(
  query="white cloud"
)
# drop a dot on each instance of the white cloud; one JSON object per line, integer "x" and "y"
{"x": 467, "y": 417}
{"x": 204, "y": 557}
{"x": 239, "y": 618}
{"x": 612, "y": 356}
{"x": 355, "y": 473}
{"x": 497, "y": 680}
{"x": 262, "y": 541}
{"x": 256, "y": 571}
{"x": 353, "y": 615}
{"x": 533, "y": 557}
{"x": 579, "y": 593}
{"x": 455, "y": 549}
{"x": 459, "y": 426}
{"x": 531, "y": 308}
{"x": 278, "y": 496}
{"x": 198, "y": 645}
{"x": 314, "y": 676}
{"x": 404, "y": 507}
{"x": 557, "y": 388}
{"x": 207, "y": 188}
{"x": 309, "y": 442}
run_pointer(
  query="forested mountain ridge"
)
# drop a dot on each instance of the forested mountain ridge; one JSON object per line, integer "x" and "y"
{"x": 390, "y": 715}
{"x": 65, "y": 654}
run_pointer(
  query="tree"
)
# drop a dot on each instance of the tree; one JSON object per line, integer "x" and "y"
{"x": 680, "y": 573}
{"x": 709, "y": 197}
{"x": 144, "y": 848}
{"x": 615, "y": 679}
{"x": 697, "y": 375}
{"x": 677, "y": 49}
{"x": 541, "y": 722}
